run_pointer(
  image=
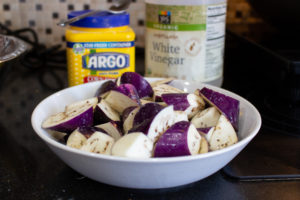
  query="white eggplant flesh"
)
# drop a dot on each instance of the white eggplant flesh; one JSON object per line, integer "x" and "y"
{"x": 133, "y": 145}
{"x": 194, "y": 140}
{"x": 83, "y": 103}
{"x": 204, "y": 146}
{"x": 159, "y": 82}
{"x": 206, "y": 132}
{"x": 100, "y": 143}
{"x": 112, "y": 129}
{"x": 119, "y": 101}
{"x": 164, "y": 89}
{"x": 206, "y": 118}
{"x": 144, "y": 101}
{"x": 161, "y": 122}
{"x": 180, "y": 116}
{"x": 196, "y": 104}
{"x": 128, "y": 122}
{"x": 76, "y": 139}
{"x": 223, "y": 136}
{"x": 104, "y": 113}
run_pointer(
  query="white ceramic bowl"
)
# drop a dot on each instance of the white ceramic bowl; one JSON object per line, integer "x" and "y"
{"x": 143, "y": 173}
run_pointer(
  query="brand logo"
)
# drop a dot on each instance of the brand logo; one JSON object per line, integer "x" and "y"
{"x": 78, "y": 48}
{"x": 105, "y": 61}
{"x": 164, "y": 17}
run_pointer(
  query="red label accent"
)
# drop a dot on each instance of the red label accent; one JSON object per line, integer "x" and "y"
{"x": 88, "y": 79}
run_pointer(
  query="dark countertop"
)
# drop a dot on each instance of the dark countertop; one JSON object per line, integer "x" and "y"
{"x": 29, "y": 170}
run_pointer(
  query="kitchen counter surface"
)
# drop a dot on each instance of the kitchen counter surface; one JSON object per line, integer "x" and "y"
{"x": 29, "y": 170}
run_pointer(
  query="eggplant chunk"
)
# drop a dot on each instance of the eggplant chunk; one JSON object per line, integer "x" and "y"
{"x": 83, "y": 103}
{"x": 129, "y": 118}
{"x": 134, "y": 145}
{"x": 156, "y": 126}
{"x": 99, "y": 142}
{"x": 204, "y": 147}
{"x": 163, "y": 81}
{"x": 164, "y": 89}
{"x": 112, "y": 128}
{"x": 190, "y": 103}
{"x": 224, "y": 135}
{"x": 119, "y": 101}
{"x": 144, "y": 101}
{"x": 79, "y": 136}
{"x": 206, "y": 132}
{"x": 105, "y": 87}
{"x": 104, "y": 113}
{"x": 180, "y": 139}
{"x": 227, "y": 105}
{"x": 129, "y": 90}
{"x": 77, "y": 115}
{"x": 142, "y": 86}
{"x": 206, "y": 118}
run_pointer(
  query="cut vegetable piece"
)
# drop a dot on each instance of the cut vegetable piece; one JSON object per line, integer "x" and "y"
{"x": 112, "y": 128}
{"x": 66, "y": 122}
{"x": 119, "y": 101}
{"x": 146, "y": 112}
{"x": 134, "y": 145}
{"x": 79, "y": 136}
{"x": 144, "y": 101}
{"x": 224, "y": 135}
{"x": 127, "y": 112}
{"x": 130, "y": 91}
{"x": 156, "y": 126}
{"x": 206, "y": 118}
{"x": 204, "y": 147}
{"x": 99, "y": 142}
{"x": 164, "y": 89}
{"x": 163, "y": 81}
{"x": 128, "y": 118}
{"x": 207, "y": 132}
{"x": 180, "y": 116}
{"x": 105, "y": 87}
{"x": 142, "y": 86}
{"x": 228, "y": 106}
{"x": 180, "y": 139}
{"x": 83, "y": 103}
{"x": 104, "y": 113}
{"x": 190, "y": 103}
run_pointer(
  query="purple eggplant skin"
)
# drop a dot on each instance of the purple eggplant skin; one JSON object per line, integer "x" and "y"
{"x": 178, "y": 100}
{"x": 84, "y": 119}
{"x": 105, "y": 87}
{"x": 127, "y": 112}
{"x": 146, "y": 112}
{"x": 118, "y": 125}
{"x": 204, "y": 130}
{"x": 142, "y": 86}
{"x": 174, "y": 141}
{"x": 225, "y": 104}
{"x": 88, "y": 131}
{"x": 99, "y": 116}
{"x": 129, "y": 90}
{"x": 142, "y": 127}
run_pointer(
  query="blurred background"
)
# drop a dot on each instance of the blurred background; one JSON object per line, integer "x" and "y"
{"x": 42, "y": 16}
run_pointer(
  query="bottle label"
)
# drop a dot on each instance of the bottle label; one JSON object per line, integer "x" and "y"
{"x": 92, "y": 61}
{"x": 185, "y": 42}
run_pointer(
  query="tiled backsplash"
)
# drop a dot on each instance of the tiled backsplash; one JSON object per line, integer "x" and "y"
{"x": 43, "y": 15}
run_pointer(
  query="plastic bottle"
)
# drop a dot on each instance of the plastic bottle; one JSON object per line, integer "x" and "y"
{"x": 99, "y": 47}
{"x": 185, "y": 39}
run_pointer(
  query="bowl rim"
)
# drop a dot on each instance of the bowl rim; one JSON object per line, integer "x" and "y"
{"x": 50, "y": 141}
